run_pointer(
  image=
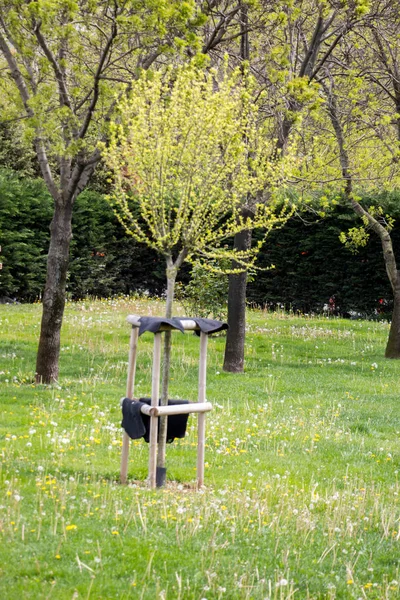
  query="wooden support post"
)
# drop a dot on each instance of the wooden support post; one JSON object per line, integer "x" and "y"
{"x": 155, "y": 393}
{"x": 130, "y": 383}
{"x": 130, "y": 386}
{"x": 201, "y": 427}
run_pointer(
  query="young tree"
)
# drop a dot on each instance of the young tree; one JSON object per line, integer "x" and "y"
{"x": 184, "y": 152}
{"x": 64, "y": 63}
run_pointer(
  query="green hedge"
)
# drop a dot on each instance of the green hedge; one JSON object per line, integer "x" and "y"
{"x": 25, "y": 214}
{"x": 103, "y": 261}
{"x": 310, "y": 262}
{"x": 311, "y": 265}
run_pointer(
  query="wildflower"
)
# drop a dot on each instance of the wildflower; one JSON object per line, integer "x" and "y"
{"x": 71, "y": 527}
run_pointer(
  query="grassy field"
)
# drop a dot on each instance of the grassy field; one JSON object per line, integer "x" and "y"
{"x": 301, "y": 497}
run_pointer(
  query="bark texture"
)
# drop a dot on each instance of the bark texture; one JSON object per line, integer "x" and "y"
{"x": 236, "y": 334}
{"x": 393, "y": 343}
{"x": 54, "y": 295}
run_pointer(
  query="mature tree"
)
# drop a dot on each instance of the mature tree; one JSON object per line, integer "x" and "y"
{"x": 286, "y": 45}
{"x": 185, "y": 151}
{"x": 359, "y": 150}
{"x": 63, "y": 65}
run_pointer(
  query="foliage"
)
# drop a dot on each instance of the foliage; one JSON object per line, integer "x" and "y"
{"x": 206, "y": 293}
{"x": 310, "y": 263}
{"x": 104, "y": 262}
{"x": 301, "y": 496}
{"x": 73, "y": 57}
{"x": 15, "y": 153}
{"x": 25, "y": 215}
{"x": 183, "y": 155}
{"x": 354, "y": 238}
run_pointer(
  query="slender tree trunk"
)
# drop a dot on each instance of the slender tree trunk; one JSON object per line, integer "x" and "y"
{"x": 162, "y": 440}
{"x": 54, "y": 294}
{"x": 234, "y": 348}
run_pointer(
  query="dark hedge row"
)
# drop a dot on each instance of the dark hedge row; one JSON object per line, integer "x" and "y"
{"x": 104, "y": 261}
{"x": 311, "y": 265}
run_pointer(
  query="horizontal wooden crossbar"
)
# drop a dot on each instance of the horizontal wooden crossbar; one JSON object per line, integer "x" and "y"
{"x": 181, "y": 409}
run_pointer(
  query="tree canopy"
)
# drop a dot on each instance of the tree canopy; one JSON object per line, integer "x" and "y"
{"x": 186, "y": 149}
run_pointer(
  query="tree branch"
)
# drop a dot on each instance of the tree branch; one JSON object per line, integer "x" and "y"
{"x": 92, "y": 106}
{"x": 62, "y": 87}
{"x": 16, "y": 74}
{"x": 309, "y": 59}
{"x": 220, "y": 30}
{"x": 387, "y": 246}
{"x": 25, "y": 96}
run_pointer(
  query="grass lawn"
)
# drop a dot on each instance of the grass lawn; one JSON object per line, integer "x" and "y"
{"x": 303, "y": 453}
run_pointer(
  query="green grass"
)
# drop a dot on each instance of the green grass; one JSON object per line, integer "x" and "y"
{"x": 301, "y": 497}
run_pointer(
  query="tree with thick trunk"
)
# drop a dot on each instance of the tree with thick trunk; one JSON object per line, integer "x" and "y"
{"x": 67, "y": 64}
{"x": 358, "y": 153}
{"x": 309, "y": 39}
{"x": 236, "y": 334}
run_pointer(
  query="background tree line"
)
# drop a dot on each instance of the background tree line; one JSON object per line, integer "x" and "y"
{"x": 311, "y": 263}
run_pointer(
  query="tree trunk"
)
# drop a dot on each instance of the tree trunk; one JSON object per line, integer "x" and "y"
{"x": 163, "y": 421}
{"x": 54, "y": 294}
{"x": 234, "y": 348}
{"x": 393, "y": 343}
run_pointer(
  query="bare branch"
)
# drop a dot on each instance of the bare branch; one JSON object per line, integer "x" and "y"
{"x": 387, "y": 246}
{"x": 62, "y": 87}
{"x": 99, "y": 70}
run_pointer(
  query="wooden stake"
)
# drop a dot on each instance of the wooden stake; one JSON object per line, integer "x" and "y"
{"x": 130, "y": 386}
{"x": 155, "y": 393}
{"x": 201, "y": 426}
{"x": 130, "y": 383}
